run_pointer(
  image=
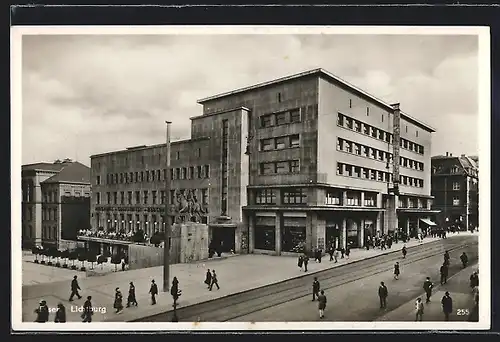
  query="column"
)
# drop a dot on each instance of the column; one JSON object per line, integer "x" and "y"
{"x": 321, "y": 234}
{"x": 251, "y": 233}
{"x": 362, "y": 199}
{"x": 310, "y": 236}
{"x": 361, "y": 233}
{"x": 277, "y": 236}
{"x": 378, "y": 222}
{"x": 408, "y": 226}
{"x": 418, "y": 225}
{"x": 344, "y": 197}
{"x": 343, "y": 233}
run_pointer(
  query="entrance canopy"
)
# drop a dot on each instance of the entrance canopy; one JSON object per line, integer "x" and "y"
{"x": 428, "y": 222}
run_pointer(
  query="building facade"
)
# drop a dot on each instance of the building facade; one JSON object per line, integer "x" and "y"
{"x": 56, "y": 202}
{"x": 455, "y": 187}
{"x": 293, "y": 163}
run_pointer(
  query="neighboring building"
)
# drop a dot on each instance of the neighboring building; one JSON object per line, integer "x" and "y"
{"x": 56, "y": 202}
{"x": 301, "y": 160}
{"x": 455, "y": 182}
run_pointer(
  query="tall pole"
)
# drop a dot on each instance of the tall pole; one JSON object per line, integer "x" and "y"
{"x": 166, "y": 221}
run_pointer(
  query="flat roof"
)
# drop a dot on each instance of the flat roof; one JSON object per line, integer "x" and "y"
{"x": 146, "y": 147}
{"x": 328, "y": 76}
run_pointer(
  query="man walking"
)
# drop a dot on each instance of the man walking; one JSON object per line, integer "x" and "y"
{"x": 419, "y": 310}
{"x": 447, "y": 258}
{"x": 447, "y": 304}
{"x": 404, "y": 251}
{"x": 208, "y": 278}
{"x": 87, "y": 310}
{"x": 396, "y": 271}
{"x": 214, "y": 281}
{"x": 153, "y": 291}
{"x": 42, "y": 312}
{"x": 347, "y": 252}
{"x": 322, "y": 304}
{"x": 306, "y": 261}
{"x": 444, "y": 273}
{"x": 331, "y": 250}
{"x": 464, "y": 260}
{"x": 131, "y": 300}
{"x": 315, "y": 288}
{"x": 382, "y": 294}
{"x": 428, "y": 289}
{"x": 74, "y": 289}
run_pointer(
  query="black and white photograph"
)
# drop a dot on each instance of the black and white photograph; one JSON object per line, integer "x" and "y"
{"x": 250, "y": 177}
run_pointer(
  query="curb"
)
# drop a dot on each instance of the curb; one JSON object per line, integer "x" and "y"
{"x": 275, "y": 283}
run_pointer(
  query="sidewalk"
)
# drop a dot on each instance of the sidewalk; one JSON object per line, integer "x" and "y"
{"x": 235, "y": 274}
{"x": 460, "y": 292}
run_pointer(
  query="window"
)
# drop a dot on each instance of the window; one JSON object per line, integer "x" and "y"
{"x": 406, "y": 129}
{"x": 136, "y": 176}
{"x": 122, "y": 197}
{"x": 366, "y": 129}
{"x": 280, "y": 143}
{"x": 382, "y": 117}
{"x": 153, "y": 195}
{"x": 340, "y": 119}
{"x": 145, "y": 197}
{"x": 265, "y": 120}
{"x": 129, "y": 197}
{"x": 350, "y": 103}
{"x": 456, "y": 186}
{"x": 108, "y": 197}
{"x": 207, "y": 171}
{"x": 142, "y": 176}
{"x": 121, "y": 178}
{"x": 199, "y": 170}
{"x": 357, "y": 171}
{"x": 353, "y": 199}
{"x": 456, "y": 200}
{"x": 178, "y": 155}
{"x": 153, "y": 176}
{"x": 365, "y": 173}
{"x": 266, "y": 144}
{"x": 348, "y": 146}
{"x": 294, "y": 166}
{"x": 357, "y": 126}
{"x": 279, "y": 97}
{"x": 177, "y": 173}
{"x": 115, "y": 197}
{"x": 282, "y": 167}
{"x": 172, "y": 174}
{"x": 333, "y": 197}
{"x": 339, "y": 144}
{"x": 98, "y": 180}
{"x": 131, "y": 177}
{"x": 340, "y": 169}
{"x": 191, "y": 172}
{"x": 137, "y": 197}
{"x": 294, "y": 140}
{"x": 266, "y": 168}
{"x": 370, "y": 200}
{"x": 204, "y": 196}
{"x": 357, "y": 149}
{"x": 183, "y": 173}
{"x": 381, "y": 134}
{"x": 295, "y": 115}
{"x": 162, "y": 197}
{"x": 416, "y": 134}
{"x": 367, "y": 111}
{"x": 374, "y": 132}
{"x": 380, "y": 155}
{"x": 294, "y": 196}
{"x": 172, "y": 197}
{"x": 380, "y": 176}
{"x": 280, "y": 119}
{"x": 454, "y": 169}
{"x": 265, "y": 196}
{"x": 349, "y": 123}
{"x": 348, "y": 170}
{"x": 373, "y": 174}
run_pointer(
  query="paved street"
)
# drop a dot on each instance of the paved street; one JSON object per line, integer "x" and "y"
{"x": 235, "y": 274}
{"x": 38, "y": 274}
{"x": 351, "y": 290}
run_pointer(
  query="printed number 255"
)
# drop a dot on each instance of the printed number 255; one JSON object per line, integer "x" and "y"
{"x": 462, "y": 312}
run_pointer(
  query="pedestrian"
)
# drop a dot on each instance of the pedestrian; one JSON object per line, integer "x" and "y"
{"x": 42, "y": 312}
{"x": 474, "y": 281}
{"x": 88, "y": 311}
{"x": 342, "y": 252}
{"x": 123, "y": 265}
{"x": 382, "y": 244}
{"x": 447, "y": 304}
{"x": 419, "y": 310}
{"x": 208, "y": 278}
{"x": 300, "y": 262}
{"x": 464, "y": 259}
{"x": 153, "y": 290}
{"x": 131, "y": 299}
{"x": 404, "y": 251}
{"x": 428, "y": 289}
{"x": 315, "y": 288}
{"x": 347, "y": 251}
{"x": 320, "y": 255}
{"x": 447, "y": 258}
{"x": 336, "y": 254}
{"x": 118, "y": 304}
{"x": 74, "y": 289}
{"x": 214, "y": 281}
{"x": 396, "y": 271}
{"x": 60, "y": 314}
{"x": 322, "y": 304}
{"x": 444, "y": 273}
{"x": 306, "y": 261}
{"x": 331, "y": 250}
{"x": 382, "y": 294}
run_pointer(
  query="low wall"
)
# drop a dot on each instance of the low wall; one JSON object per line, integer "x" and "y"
{"x": 144, "y": 256}
{"x": 194, "y": 242}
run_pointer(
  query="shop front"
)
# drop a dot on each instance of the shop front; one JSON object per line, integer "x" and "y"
{"x": 265, "y": 232}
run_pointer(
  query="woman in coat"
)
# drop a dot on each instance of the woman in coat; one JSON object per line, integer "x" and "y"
{"x": 118, "y": 305}
{"x": 208, "y": 278}
{"x": 396, "y": 271}
{"x": 60, "y": 314}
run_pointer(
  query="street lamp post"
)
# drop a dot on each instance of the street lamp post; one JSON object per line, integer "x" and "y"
{"x": 166, "y": 250}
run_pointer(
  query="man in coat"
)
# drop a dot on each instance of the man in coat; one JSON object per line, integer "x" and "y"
{"x": 42, "y": 312}
{"x": 444, "y": 273}
{"x": 316, "y": 287}
{"x": 131, "y": 300}
{"x": 322, "y": 304}
{"x": 447, "y": 304}
{"x": 464, "y": 260}
{"x": 88, "y": 311}
{"x": 153, "y": 290}
{"x": 428, "y": 289}
{"x": 208, "y": 278}
{"x": 60, "y": 314}
{"x": 74, "y": 289}
{"x": 382, "y": 294}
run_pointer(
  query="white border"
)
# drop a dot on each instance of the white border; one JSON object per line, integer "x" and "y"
{"x": 484, "y": 97}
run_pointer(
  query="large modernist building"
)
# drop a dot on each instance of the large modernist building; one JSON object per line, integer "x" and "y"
{"x": 455, "y": 188}
{"x": 55, "y": 202}
{"x": 298, "y": 161}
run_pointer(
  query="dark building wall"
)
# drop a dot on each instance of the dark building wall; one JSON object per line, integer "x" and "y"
{"x": 75, "y": 214}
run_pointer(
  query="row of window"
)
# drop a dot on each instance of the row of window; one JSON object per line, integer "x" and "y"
{"x": 373, "y": 153}
{"x": 336, "y": 197}
{"x": 279, "y": 143}
{"x": 191, "y": 172}
{"x": 279, "y": 167}
{"x": 138, "y": 197}
{"x": 410, "y": 202}
{"x": 376, "y": 133}
{"x": 376, "y": 175}
{"x": 288, "y": 196}
{"x": 49, "y": 214}
{"x": 49, "y": 233}
{"x": 281, "y": 118}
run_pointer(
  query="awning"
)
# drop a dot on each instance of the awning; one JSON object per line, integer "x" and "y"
{"x": 428, "y": 222}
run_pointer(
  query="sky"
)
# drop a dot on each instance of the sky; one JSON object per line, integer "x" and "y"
{"x": 89, "y": 94}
